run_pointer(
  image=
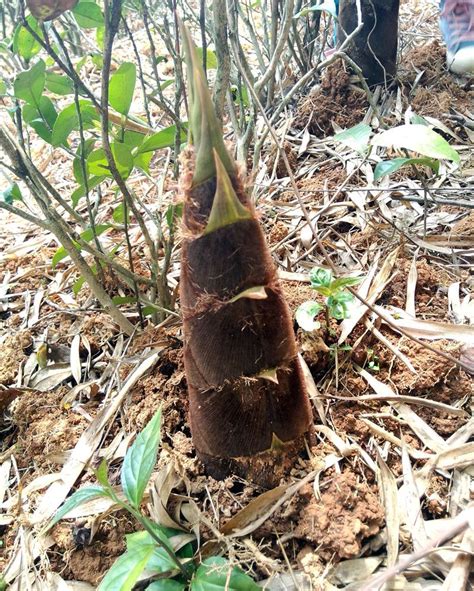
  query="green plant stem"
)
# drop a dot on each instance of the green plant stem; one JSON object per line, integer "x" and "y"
{"x": 145, "y": 524}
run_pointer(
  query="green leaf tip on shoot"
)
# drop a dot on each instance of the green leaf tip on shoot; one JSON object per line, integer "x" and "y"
{"x": 140, "y": 460}
{"x": 204, "y": 127}
{"x": 226, "y": 207}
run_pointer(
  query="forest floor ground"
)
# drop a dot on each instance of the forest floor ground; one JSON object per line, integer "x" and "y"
{"x": 392, "y": 417}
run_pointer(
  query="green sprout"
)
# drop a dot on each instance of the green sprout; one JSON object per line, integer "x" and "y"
{"x": 158, "y": 557}
{"x": 337, "y": 297}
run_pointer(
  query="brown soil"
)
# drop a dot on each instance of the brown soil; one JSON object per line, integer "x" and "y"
{"x": 348, "y": 512}
{"x": 334, "y": 100}
{"x": 437, "y": 90}
{"x": 12, "y": 353}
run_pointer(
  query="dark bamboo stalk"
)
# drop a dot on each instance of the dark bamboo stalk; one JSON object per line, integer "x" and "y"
{"x": 248, "y": 405}
{"x": 374, "y": 48}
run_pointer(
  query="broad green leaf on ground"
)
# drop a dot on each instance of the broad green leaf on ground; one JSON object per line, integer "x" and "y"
{"x": 24, "y": 44}
{"x": 216, "y": 574}
{"x": 388, "y": 166}
{"x": 140, "y": 460}
{"x": 159, "y": 561}
{"x": 162, "y": 139}
{"x": 122, "y": 87}
{"x": 78, "y": 498}
{"x": 418, "y": 138}
{"x": 3, "y": 87}
{"x": 29, "y": 85}
{"x": 88, "y": 14}
{"x": 98, "y": 165}
{"x": 41, "y": 118}
{"x": 356, "y": 138}
{"x": 87, "y": 235}
{"x": 166, "y": 585}
{"x": 68, "y": 120}
{"x": 59, "y": 84}
{"x": 126, "y": 570}
{"x": 305, "y": 315}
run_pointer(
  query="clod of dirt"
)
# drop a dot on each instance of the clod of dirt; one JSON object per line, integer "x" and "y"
{"x": 45, "y": 430}
{"x": 437, "y": 89}
{"x": 90, "y": 562}
{"x": 281, "y": 170}
{"x": 12, "y": 354}
{"x": 334, "y": 100}
{"x": 347, "y": 514}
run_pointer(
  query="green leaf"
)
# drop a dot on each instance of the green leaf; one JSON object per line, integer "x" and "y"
{"x": 305, "y": 315}
{"x": 356, "y": 138}
{"x": 118, "y": 214}
{"x": 132, "y": 139}
{"x": 162, "y": 139}
{"x": 58, "y": 84}
{"x": 126, "y": 570}
{"x": 98, "y": 165}
{"x": 417, "y": 138}
{"x": 29, "y": 85}
{"x": 11, "y": 194}
{"x": 81, "y": 190}
{"x": 77, "y": 164}
{"x": 142, "y": 161}
{"x": 87, "y": 235}
{"x": 102, "y": 474}
{"x": 344, "y": 282}
{"x": 24, "y": 44}
{"x": 387, "y": 167}
{"x": 140, "y": 460}
{"x": 338, "y": 310}
{"x": 122, "y": 87}
{"x": 41, "y": 118}
{"x": 88, "y": 15}
{"x": 78, "y": 498}
{"x": 217, "y": 574}
{"x": 211, "y": 58}
{"x": 320, "y": 277}
{"x": 3, "y": 87}
{"x": 68, "y": 121}
{"x": 173, "y": 213}
{"x": 160, "y": 561}
{"x": 166, "y": 585}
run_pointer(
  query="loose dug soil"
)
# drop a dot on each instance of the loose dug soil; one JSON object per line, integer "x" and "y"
{"x": 347, "y": 513}
{"x": 334, "y": 100}
{"x": 338, "y": 522}
{"x": 436, "y": 91}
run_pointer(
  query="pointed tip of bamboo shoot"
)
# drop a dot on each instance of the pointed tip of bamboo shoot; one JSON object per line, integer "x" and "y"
{"x": 269, "y": 374}
{"x": 205, "y": 128}
{"x": 226, "y": 207}
{"x": 277, "y": 443}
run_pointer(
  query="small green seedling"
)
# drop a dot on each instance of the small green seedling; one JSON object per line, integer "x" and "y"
{"x": 337, "y": 297}
{"x": 373, "y": 362}
{"x": 161, "y": 556}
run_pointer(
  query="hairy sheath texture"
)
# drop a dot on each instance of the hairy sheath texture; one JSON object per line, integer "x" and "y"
{"x": 246, "y": 388}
